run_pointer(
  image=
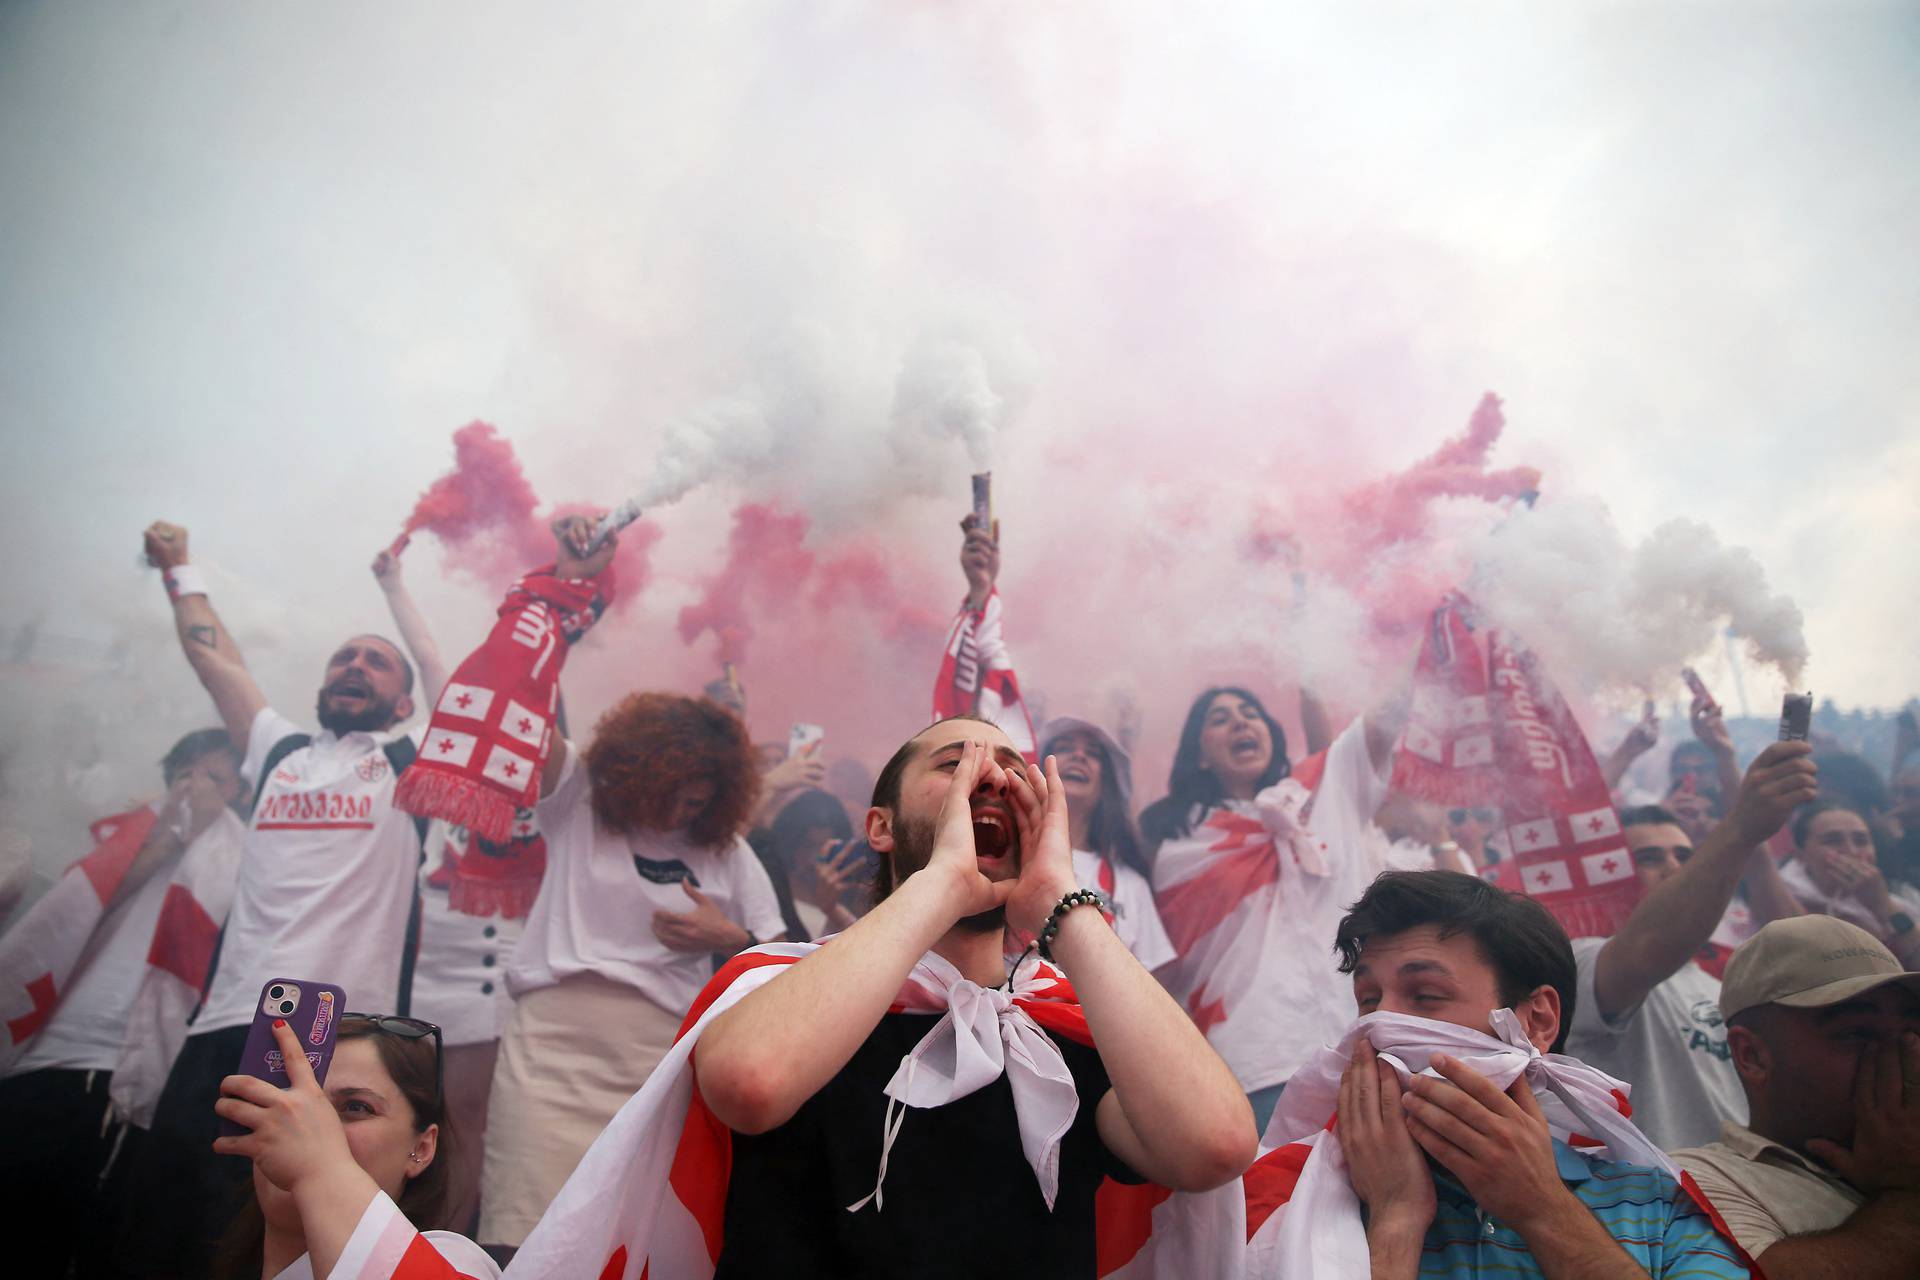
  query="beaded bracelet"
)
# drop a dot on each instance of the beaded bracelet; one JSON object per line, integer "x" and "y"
{"x": 1051, "y": 929}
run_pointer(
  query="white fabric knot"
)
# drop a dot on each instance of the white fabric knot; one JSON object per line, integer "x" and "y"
{"x": 982, "y": 1035}
{"x": 1282, "y": 808}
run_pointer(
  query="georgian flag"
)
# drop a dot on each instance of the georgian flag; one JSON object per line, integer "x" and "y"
{"x": 1425, "y": 743}
{"x": 1607, "y": 866}
{"x": 1594, "y": 824}
{"x": 1547, "y": 877}
{"x": 1531, "y": 837}
{"x": 1473, "y": 710}
{"x": 449, "y": 747}
{"x": 40, "y": 953}
{"x": 1471, "y": 753}
{"x": 508, "y": 768}
{"x": 469, "y": 700}
{"x": 527, "y": 726}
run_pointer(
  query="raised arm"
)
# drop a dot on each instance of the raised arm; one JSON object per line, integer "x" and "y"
{"x": 1175, "y": 1113}
{"x": 976, "y": 672}
{"x": 1676, "y": 919}
{"x": 1639, "y": 740}
{"x": 412, "y": 626}
{"x": 1315, "y": 724}
{"x": 761, "y": 1059}
{"x": 210, "y": 651}
{"x": 1710, "y": 727}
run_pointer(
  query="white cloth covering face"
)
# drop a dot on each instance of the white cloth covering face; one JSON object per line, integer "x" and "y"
{"x": 1319, "y": 1233}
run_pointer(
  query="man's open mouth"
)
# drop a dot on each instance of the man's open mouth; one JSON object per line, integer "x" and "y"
{"x": 993, "y": 835}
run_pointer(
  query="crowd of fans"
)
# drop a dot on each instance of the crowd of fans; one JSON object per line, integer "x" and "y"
{"x": 1280, "y": 938}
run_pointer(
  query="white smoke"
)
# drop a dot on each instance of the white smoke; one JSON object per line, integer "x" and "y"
{"x": 1628, "y": 616}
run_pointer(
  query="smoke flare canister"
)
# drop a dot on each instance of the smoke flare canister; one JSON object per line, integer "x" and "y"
{"x": 983, "y": 500}
{"x": 1796, "y": 716}
{"x": 399, "y": 544}
{"x": 611, "y": 523}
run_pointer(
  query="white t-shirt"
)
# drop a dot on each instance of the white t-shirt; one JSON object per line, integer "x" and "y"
{"x": 596, "y": 904}
{"x": 1135, "y": 918}
{"x": 1265, "y": 985}
{"x": 90, "y": 1021}
{"x": 1672, "y": 1049}
{"x": 460, "y": 977}
{"x": 326, "y": 876}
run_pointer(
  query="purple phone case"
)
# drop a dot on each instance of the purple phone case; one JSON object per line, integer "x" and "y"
{"x": 314, "y": 1017}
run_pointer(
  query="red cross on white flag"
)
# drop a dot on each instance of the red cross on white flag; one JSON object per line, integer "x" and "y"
{"x": 1548, "y": 877}
{"x": 509, "y": 769}
{"x": 469, "y": 700}
{"x": 1594, "y": 824}
{"x": 1606, "y": 866}
{"x": 449, "y": 747}
{"x": 527, "y": 726}
{"x": 1531, "y": 837}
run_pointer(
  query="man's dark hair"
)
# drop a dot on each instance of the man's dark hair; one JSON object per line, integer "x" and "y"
{"x": 1648, "y": 815}
{"x": 1850, "y": 778}
{"x": 1803, "y": 817}
{"x": 1521, "y": 940}
{"x": 201, "y": 742}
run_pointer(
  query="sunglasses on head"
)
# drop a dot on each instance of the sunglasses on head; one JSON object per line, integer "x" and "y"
{"x": 393, "y": 1024}
{"x": 1458, "y": 816}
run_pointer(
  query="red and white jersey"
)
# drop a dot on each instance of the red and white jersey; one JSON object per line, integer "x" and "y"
{"x": 327, "y": 877}
{"x": 976, "y": 675}
{"x": 1251, "y": 899}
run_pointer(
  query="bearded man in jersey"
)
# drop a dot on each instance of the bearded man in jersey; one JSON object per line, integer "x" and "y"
{"x": 326, "y": 892}
{"x": 997, "y": 1173}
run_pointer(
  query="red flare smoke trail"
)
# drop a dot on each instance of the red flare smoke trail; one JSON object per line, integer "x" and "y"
{"x": 764, "y": 560}
{"x": 483, "y": 513}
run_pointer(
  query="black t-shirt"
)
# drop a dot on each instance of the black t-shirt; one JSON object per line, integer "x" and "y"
{"x": 961, "y": 1199}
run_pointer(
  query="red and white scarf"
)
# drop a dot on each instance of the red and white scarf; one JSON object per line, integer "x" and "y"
{"x": 493, "y": 727}
{"x": 1490, "y": 726}
{"x": 976, "y": 675}
{"x": 1303, "y": 1218}
{"x": 487, "y": 878}
{"x": 38, "y": 956}
{"x": 649, "y": 1196}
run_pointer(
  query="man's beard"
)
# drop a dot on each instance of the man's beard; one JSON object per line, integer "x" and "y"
{"x": 913, "y": 849}
{"x": 374, "y": 717}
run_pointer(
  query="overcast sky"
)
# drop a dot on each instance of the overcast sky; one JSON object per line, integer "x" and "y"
{"x": 257, "y": 261}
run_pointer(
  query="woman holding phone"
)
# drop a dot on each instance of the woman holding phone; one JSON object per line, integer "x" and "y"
{"x": 349, "y": 1169}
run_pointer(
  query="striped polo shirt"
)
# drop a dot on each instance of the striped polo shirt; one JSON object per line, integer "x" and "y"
{"x": 1644, "y": 1210}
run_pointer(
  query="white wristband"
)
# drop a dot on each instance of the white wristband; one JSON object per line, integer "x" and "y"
{"x": 184, "y": 580}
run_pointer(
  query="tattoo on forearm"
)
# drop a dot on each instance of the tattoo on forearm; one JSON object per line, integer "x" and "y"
{"x": 205, "y": 635}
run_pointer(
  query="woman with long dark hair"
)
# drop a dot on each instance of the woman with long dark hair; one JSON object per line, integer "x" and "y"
{"x": 1254, "y": 859}
{"x": 340, "y": 1169}
{"x": 1096, "y": 775}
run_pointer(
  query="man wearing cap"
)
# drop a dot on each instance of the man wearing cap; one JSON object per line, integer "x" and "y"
{"x": 1824, "y": 1180}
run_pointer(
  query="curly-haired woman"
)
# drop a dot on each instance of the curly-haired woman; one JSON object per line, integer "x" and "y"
{"x": 647, "y": 880}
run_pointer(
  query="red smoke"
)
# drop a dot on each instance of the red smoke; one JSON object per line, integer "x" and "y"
{"x": 1396, "y": 509}
{"x": 483, "y": 513}
{"x": 764, "y": 560}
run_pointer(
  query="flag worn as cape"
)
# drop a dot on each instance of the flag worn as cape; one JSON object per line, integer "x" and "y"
{"x": 39, "y": 954}
{"x": 178, "y": 960}
{"x": 649, "y": 1196}
{"x": 1303, "y": 1218}
{"x": 1487, "y": 726}
{"x": 976, "y": 675}
{"x": 484, "y": 748}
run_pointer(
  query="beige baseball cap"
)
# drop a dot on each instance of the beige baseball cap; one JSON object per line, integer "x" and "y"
{"x": 1807, "y": 962}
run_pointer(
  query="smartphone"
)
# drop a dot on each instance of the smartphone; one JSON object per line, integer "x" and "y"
{"x": 313, "y": 1010}
{"x": 1697, "y": 686}
{"x": 864, "y": 858}
{"x": 1796, "y": 716}
{"x": 804, "y": 740}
